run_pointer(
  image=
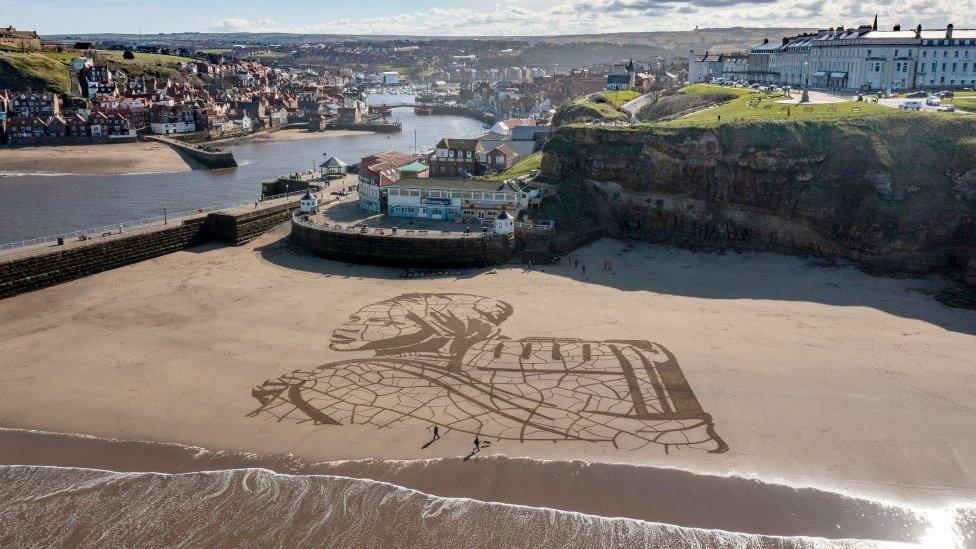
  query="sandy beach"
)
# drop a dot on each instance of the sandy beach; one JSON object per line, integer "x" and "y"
{"x": 107, "y": 159}
{"x": 780, "y": 369}
{"x": 286, "y": 135}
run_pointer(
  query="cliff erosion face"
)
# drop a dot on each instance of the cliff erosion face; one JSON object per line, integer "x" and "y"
{"x": 895, "y": 193}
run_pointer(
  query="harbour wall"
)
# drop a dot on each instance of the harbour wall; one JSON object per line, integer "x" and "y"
{"x": 366, "y": 127}
{"x": 401, "y": 250}
{"x": 210, "y": 159}
{"x": 77, "y": 260}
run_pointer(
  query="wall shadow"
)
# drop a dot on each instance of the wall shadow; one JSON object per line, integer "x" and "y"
{"x": 670, "y": 270}
{"x": 751, "y": 275}
{"x": 283, "y": 254}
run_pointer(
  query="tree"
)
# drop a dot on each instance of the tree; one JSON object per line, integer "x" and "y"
{"x": 128, "y": 55}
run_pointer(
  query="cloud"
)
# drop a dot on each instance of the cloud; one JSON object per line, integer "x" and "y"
{"x": 240, "y": 24}
{"x": 594, "y": 16}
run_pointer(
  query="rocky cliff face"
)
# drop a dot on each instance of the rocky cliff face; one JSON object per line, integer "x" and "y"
{"x": 897, "y": 194}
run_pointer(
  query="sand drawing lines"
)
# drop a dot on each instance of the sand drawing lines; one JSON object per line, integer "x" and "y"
{"x": 440, "y": 359}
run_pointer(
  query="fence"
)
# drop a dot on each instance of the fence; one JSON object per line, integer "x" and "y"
{"x": 128, "y": 227}
{"x": 386, "y": 231}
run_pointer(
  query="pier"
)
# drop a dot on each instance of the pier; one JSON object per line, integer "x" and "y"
{"x": 214, "y": 159}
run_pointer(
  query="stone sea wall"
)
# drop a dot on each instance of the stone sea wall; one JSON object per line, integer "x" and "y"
{"x": 76, "y": 260}
{"x": 402, "y": 251}
{"x": 211, "y": 159}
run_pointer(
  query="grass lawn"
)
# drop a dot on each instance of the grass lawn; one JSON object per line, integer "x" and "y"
{"x": 712, "y": 89}
{"x": 618, "y": 98}
{"x": 522, "y": 167}
{"x": 689, "y": 98}
{"x": 752, "y": 106}
{"x": 966, "y": 103}
{"x": 268, "y": 55}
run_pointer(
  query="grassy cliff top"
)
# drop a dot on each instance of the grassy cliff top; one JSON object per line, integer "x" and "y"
{"x": 588, "y": 109}
{"x": 688, "y": 98}
{"x": 605, "y": 106}
{"x": 22, "y": 70}
{"x": 763, "y": 107}
{"x": 523, "y": 166}
{"x": 48, "y": 70}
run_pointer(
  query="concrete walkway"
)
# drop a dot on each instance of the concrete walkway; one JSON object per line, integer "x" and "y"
{"x": 634, "y": 105}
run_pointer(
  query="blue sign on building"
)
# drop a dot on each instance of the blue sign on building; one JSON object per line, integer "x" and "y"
{"x": 435, "y": 201}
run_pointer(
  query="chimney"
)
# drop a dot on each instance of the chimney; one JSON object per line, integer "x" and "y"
{"x": 785, "y": 40}
{"x": 765, "y": 41}
{"x": 875, "y": 26}
{"x": 918, "y": 31}
{"x": 896, "y": 28}
{"x": 949, "y": 30}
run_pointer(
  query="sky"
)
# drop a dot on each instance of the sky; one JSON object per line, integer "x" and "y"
{"x": 468, "y": 17}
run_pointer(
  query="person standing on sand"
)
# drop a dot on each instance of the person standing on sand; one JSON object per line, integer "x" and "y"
{"x": 437, "y": 434}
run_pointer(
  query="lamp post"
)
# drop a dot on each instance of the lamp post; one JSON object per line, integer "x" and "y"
{"x": 165, "y": 219}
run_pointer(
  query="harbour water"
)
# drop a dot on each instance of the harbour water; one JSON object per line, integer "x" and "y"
{"x": 34, "y": 206}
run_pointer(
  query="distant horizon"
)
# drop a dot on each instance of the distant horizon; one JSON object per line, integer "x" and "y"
{"x": 419, "y": 36}
{"x": 477, "y": 18}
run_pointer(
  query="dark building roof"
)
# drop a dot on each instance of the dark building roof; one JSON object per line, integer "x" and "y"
{"x": 454, "y": 184}
{"x": 458, "y": 144}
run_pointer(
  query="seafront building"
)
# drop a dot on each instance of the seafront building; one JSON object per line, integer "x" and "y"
{"x": 861, "y": 58}
{"x": 452, "y": 199}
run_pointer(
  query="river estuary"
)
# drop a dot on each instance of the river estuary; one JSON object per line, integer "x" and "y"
{"x": 42, "y": 205}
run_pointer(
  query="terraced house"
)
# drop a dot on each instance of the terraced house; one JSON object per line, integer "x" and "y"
{"x": 860, "y": 58}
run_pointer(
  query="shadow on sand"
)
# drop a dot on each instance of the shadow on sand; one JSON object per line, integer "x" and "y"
{"x": 668, "y": 270}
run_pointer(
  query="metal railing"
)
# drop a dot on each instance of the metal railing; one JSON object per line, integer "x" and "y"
{"x": 389, "y": 231}
{"x": 127, "y": 227}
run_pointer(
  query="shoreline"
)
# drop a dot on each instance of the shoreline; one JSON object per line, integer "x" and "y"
{"x": 140, "y": 157}
{"x": 607, "y": 490}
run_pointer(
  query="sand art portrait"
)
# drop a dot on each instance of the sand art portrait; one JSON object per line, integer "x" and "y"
{"x": 440, "y": 359}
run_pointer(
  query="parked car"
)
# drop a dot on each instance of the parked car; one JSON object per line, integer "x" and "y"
{"x": 947, "y": 94}
{"x": 947, "y": 108}
{"x": 911, "y": 105}
{"x": 918, "y": 95}
{"x": 933, "y": 101}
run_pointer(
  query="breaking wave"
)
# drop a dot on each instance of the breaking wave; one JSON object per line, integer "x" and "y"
{"x": 53, "y": 506}
{"x": 58, "y": 491}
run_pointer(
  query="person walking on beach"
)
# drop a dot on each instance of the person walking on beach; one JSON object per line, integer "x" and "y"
{"x": 437, "y": 433}
{"x": 584, "y": 269}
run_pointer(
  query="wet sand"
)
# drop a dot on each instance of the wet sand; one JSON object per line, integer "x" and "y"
{"x": 112, "y": 158}
{"x": 815, "y": 375}
{"x": 286, "y": 135}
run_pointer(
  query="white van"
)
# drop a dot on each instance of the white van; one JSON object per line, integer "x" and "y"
{"x": 911, "y": 105}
